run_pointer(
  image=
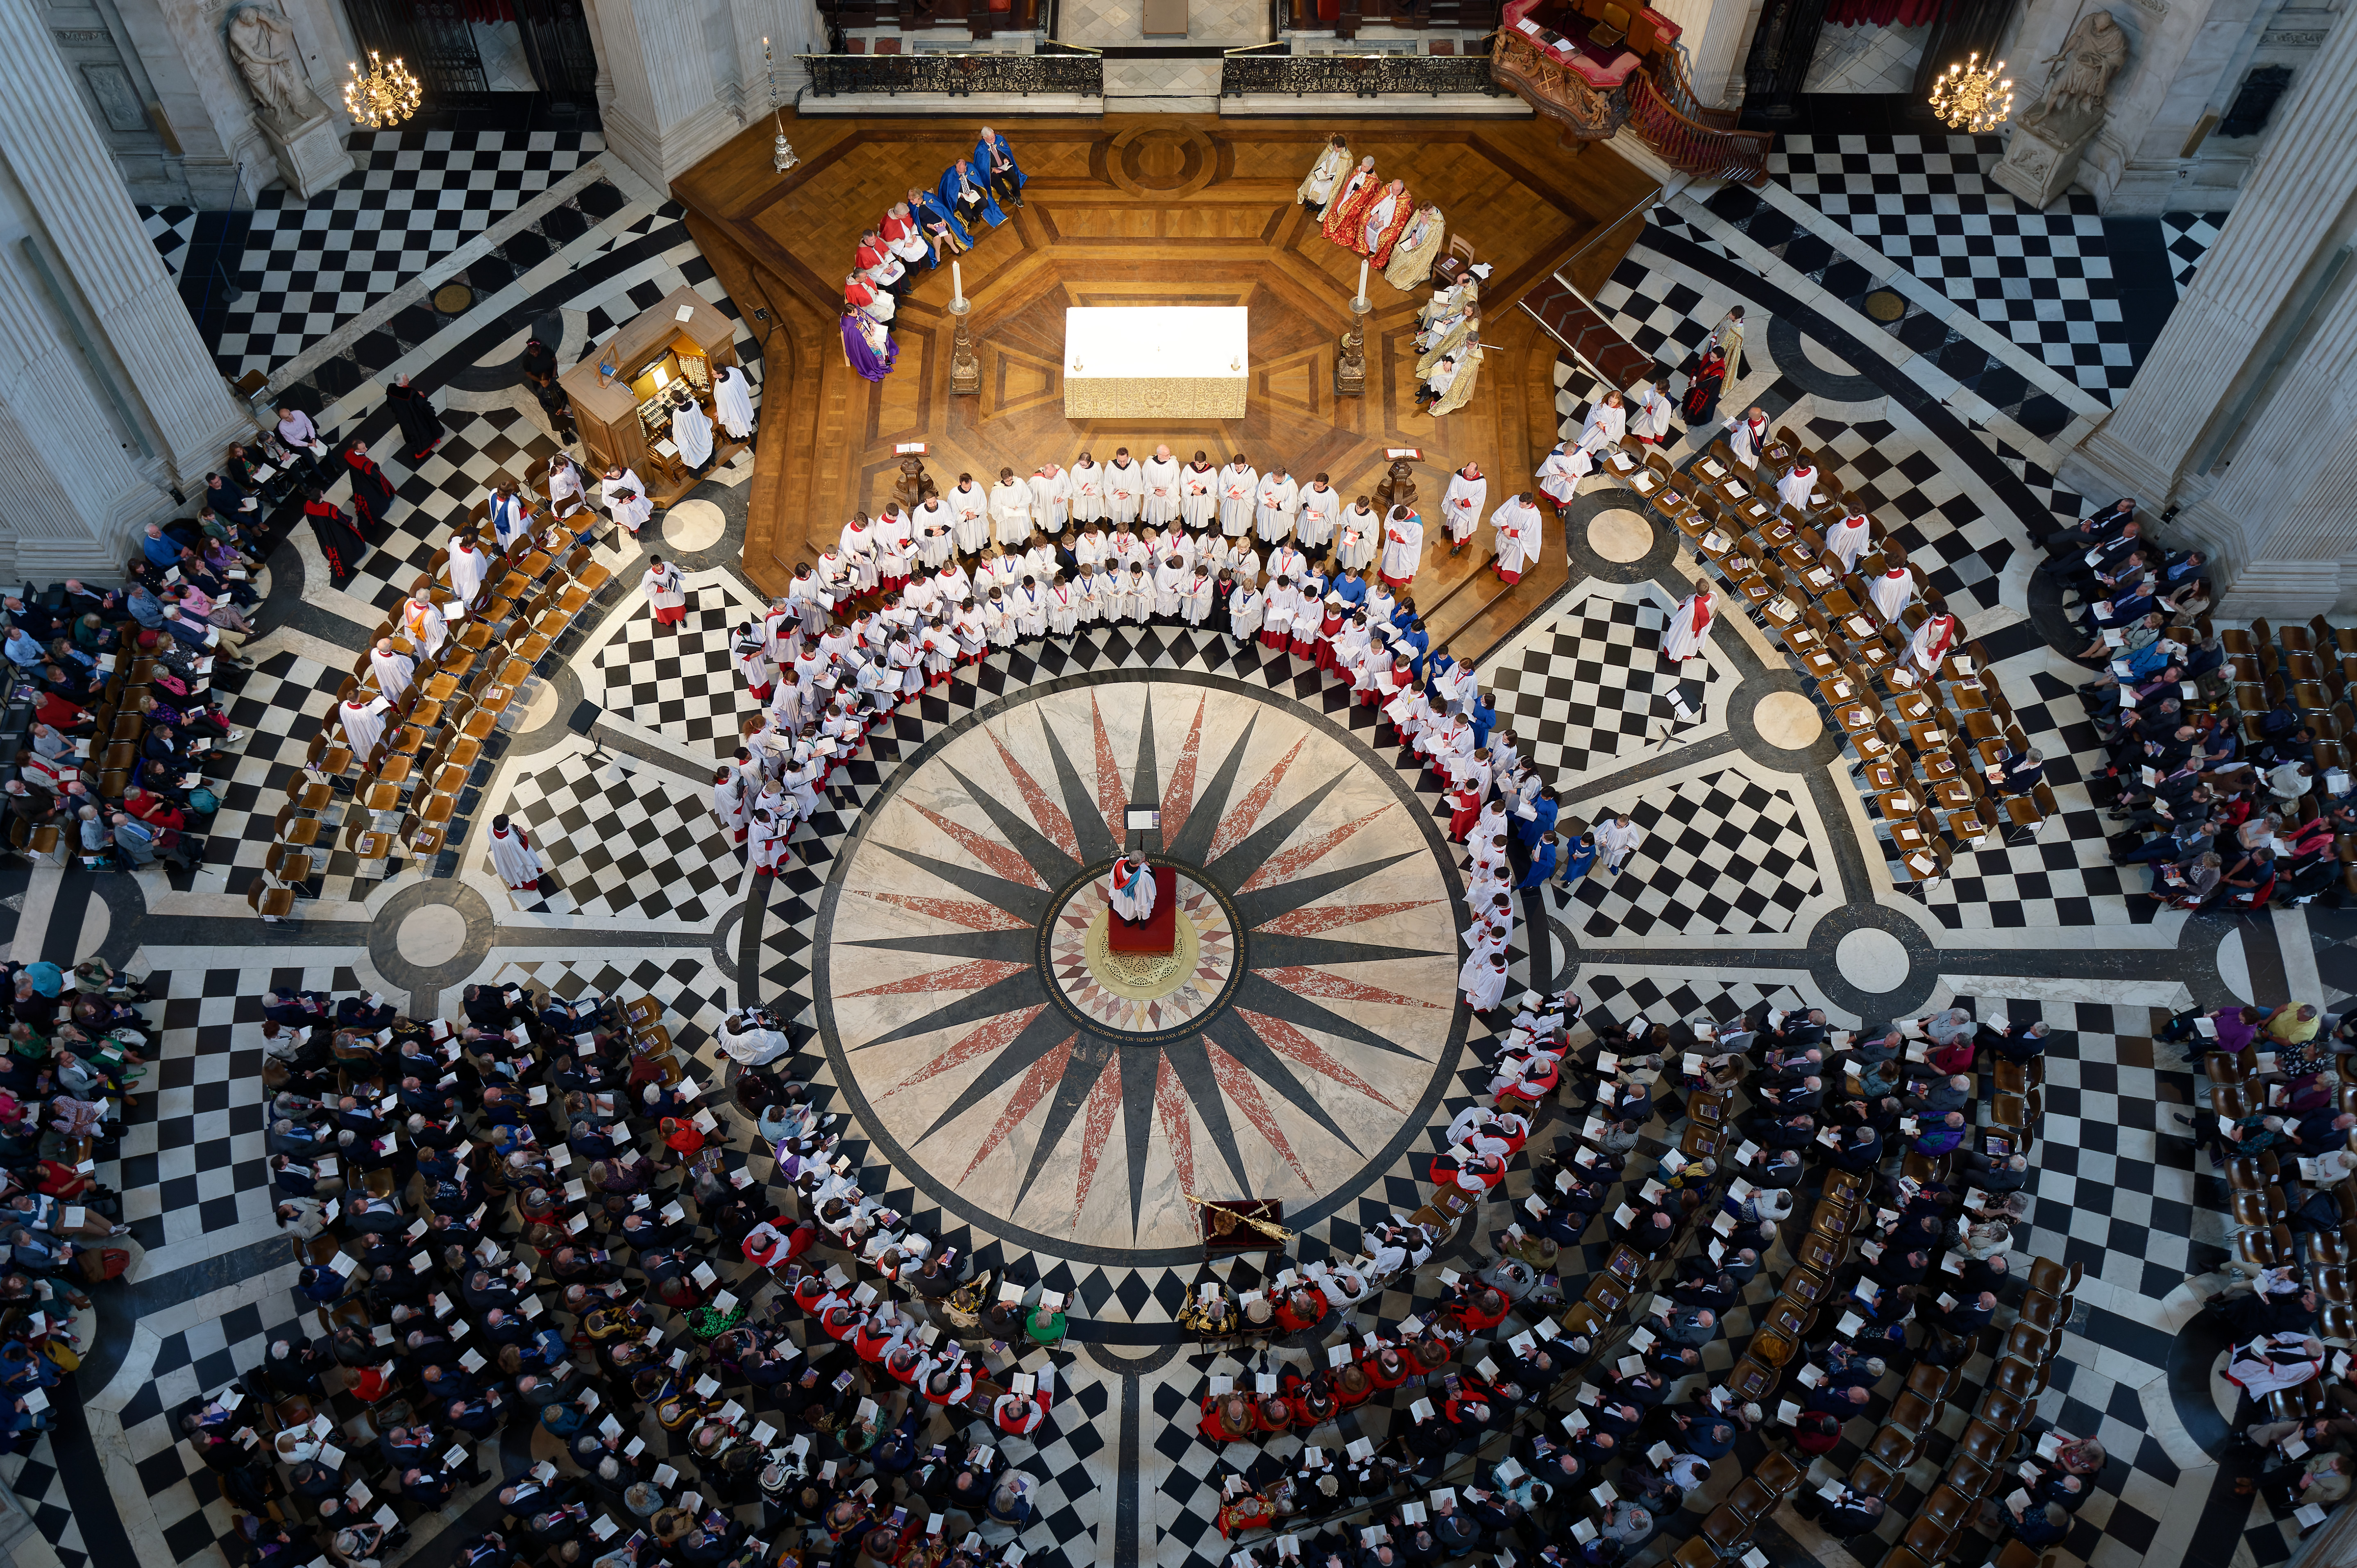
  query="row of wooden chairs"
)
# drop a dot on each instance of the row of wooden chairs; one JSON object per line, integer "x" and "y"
{"x": 1726, "y": 1531}
{"x": 1978, "y": 1468}
{"x": 1850, "y": 648}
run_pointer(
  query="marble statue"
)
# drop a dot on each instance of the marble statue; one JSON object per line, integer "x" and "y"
{"x": 2090, "y": 58}
{"x": 263, "y": 44}
{"x": 2042, "y": 155}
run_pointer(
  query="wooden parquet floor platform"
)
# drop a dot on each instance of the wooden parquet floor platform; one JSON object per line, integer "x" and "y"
{"x": 1153, "y": 209}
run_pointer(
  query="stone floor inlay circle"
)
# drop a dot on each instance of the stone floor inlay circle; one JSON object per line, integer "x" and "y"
{"x": 1052, "y": 1092}
{"x": 1788, "y": 720}
{"x": 1873, "y": 961}
{"x": 432, "y": 934}
{"x": 1620, "y": 535}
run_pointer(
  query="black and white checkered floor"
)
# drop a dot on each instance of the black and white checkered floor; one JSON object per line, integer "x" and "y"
{"x": 1745, "y": 856}
{"x": 2045, "y": 279}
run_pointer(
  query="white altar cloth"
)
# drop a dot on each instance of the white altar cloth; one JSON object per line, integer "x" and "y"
{"x": 1155, "y": 361}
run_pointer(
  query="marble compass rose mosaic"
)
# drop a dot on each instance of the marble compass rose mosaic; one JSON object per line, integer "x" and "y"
{"x": 1057, "y": 1092}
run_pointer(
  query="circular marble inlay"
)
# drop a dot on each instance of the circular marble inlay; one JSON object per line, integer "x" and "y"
{"x": 693, "y": 526}
{"x": 1885, "y": 306}
{"x": 1619, "y": 534}
{"x": 1133, "y": 993}
{"x": 1049, "y": 1091}
{"x": 433, "y": 934}
{"x": 1873, "y": 961}
{"x": 1788, "y": 720}
{"x": 533, "y": 707}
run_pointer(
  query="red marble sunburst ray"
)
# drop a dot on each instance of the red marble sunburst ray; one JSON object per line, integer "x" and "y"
{"x": 1286, "y": 1040}
{"x": 1179, "y": 795}
{"x": 1170, "y": 1107}
{"x": 1239, "y": 1087}
{"x": 1326, "y": 916}
{"x": 1286, "y": 866}
{"x": 1308, "y": 980}
{"x": 972, "y": 913}
{"x": 1034, "y": 1083}
{"x": 994, "y": 1035}
{"x": 999, "y": 857}
{"x": 1112, "y": 793}
{"x": 971, "y": 976}
{"x": 1045, "y": 812}
{"x": 1238, "y": 824}
{"x": 1096, "y": 1123}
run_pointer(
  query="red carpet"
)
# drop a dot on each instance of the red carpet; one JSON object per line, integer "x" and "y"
{"x": 1160, "y": 932}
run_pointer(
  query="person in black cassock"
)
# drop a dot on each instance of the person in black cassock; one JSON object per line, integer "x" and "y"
{"x": 342, "y": 546}
{"x": 372, "y": 491}
{"x": 420, "y": 427}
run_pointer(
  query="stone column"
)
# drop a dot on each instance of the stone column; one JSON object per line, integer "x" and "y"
{"x": 2298, "y": 210}
{"x": 69, "y": 198}
{"x": 73, "y": 495}
{"x": 1716, "y": 32}
{"x": 2285, "y": 512}
{"x": 675, "y": 80}
{"x": 793, "y": 30}
{"x": 1781, "y": 47}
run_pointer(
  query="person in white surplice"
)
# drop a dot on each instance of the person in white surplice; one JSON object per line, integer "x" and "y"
{"x": 513, "y": 858}
{"x": 1402, "y": 547}
{"x": 732, "y": 401}
{"x": 364, "y": 720}
{"x": 1161, "y": 488}
{"x": 1892, "y": 592}
{"x": 1460, "y": 508}
{"x": 1010, "y": 510}
{"x": 1798, "y": 488}
{"x": 1607, "y": 422}
{"x": 423, "y": 622}
{"x": 395, "y": 670}
{"x": 1238, "y": 482}
{"x": 664, "y": 590}
{"x": 1847, "y": 540}
{"x": 1130, "y": 890}
{"x": 1483, "y": 980}
{"x": 692, "y": 428}
{"x": 469, "y": 568}
{"x": 626, "y": 499}
{"x": 1689, "y": 628}
{"x": 1651, "y": 421}
{"x": 1560, "y": 475}
{"x": 1519, "y": 523}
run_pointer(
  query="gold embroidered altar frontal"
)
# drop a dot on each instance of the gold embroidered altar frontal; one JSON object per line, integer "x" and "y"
{"x": 1155, "y": 362}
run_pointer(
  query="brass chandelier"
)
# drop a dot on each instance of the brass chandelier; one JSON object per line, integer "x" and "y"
{"x": 386, "y": 96}
{"x": 1972, "y": 98}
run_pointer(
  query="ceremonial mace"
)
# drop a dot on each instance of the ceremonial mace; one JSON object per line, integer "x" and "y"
{"x": 1266, "y": 1228}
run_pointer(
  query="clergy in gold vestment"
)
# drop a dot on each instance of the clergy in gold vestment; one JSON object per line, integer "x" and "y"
{"x": 1460, "y": 387}
{"x": 1412, "y": 258}
{"x": 1317, "y": 188}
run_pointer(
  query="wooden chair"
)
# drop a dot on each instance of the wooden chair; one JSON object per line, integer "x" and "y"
{"x": 273, "y": 904}
{"x": 366, "y": 842}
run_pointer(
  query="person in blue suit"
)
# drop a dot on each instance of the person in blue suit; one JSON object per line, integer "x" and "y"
{"x": 964, "y": 193}
{"x": 996, "y": 162}
{"x": 1541, "y": 823}
{"x": 1483, "y": 711}
{"x": 933, "y": 217}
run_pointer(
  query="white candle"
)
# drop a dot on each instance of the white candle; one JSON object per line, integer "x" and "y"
{"x": 1363, "y": 281}
{"x": 957, "y": 282}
